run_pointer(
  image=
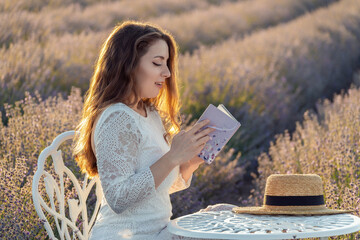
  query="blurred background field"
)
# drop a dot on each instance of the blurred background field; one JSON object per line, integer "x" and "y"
{"x": 289, "y": 71}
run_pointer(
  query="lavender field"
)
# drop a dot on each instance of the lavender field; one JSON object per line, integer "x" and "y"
{"x": 289, "y": 71}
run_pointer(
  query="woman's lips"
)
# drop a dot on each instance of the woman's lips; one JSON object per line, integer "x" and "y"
{"x": 160, "y": 85}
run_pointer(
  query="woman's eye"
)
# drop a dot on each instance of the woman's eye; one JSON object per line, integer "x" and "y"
{"x": 156, "y": 64}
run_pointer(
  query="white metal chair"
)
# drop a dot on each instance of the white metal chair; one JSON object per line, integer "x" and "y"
{"x": 57, "y": 209}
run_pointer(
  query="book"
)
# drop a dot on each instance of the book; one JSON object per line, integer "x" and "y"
{"x": 225, "y": 126}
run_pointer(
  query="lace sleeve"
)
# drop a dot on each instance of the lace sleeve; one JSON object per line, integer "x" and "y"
{"x": 179, "y": 184}
{"x": 117, "y": 149}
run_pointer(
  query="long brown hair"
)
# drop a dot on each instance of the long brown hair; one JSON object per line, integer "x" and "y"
{"x": 113, "y": 82}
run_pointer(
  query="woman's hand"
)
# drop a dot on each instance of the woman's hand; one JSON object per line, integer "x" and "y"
{"x": 219, "y": 207}
{"x": 186, "y": 145}
{"x": 195, "y": 162}
{"x": 189, "y": 167}
{"x": 192, "y": 164}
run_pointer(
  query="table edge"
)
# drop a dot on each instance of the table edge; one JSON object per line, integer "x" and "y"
{"x": 175, "y": 229}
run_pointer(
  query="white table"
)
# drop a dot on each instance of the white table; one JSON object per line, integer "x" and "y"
{"x": 228, "y": 225}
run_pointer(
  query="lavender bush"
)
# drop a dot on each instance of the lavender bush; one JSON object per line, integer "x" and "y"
{"x": 34, "y": 123}
{"x": 327, "y": 144}
{"x": 32, "y": 126}
{"x": 18, "y": 219}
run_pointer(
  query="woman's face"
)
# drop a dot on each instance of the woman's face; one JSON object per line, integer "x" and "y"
{"x": 152, "y": 70}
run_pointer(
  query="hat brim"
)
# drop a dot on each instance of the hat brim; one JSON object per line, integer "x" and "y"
{"x": 267, "y": 211}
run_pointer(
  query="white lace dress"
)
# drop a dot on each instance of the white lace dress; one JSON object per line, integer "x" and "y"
{"x": 126, "y": 144}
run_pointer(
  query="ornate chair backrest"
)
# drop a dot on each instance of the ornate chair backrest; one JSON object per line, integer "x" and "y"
{"x": 54, "y": 189}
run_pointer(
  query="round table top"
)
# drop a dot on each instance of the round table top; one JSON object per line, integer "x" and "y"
{"x": 229, "y": 225}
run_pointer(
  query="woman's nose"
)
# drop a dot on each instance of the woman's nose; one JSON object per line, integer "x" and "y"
{"x": 166, "y": 72}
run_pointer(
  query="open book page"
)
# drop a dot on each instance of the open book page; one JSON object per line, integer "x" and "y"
{"x": 223, "y": 108}
{"x": 225, "y": 126}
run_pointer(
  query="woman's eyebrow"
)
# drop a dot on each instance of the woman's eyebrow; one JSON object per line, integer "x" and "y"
{"x": 159, "y": 57}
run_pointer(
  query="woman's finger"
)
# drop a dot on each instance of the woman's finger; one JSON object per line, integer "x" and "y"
{"x": 202, "y": 141}
{"x": 198, "y": 126}
{"x": 204, "y": 133}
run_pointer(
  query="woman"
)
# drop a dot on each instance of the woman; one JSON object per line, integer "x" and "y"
{"x": 130, "y": 117}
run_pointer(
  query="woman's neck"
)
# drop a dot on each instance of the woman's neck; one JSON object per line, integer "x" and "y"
{"x": 139, "y": 107}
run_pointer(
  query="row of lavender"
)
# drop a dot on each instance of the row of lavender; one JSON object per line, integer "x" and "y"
{"x": 206, "y": 27}
{"x": 270, "y": 78}
{"x": 205, "y": 23}
{"x": 75, "y": 17}
{"x": 35, "y": 57}
{"x": 134, "y": 7}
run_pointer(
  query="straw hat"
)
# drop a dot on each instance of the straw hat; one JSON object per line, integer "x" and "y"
{"x": 292, "y": 194}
